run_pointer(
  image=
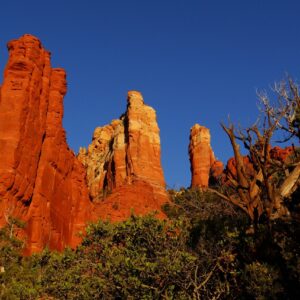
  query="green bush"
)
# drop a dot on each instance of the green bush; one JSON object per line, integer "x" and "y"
{"x": 18, "y": 276}
{"x": 261, "y": 281}
{"x": 203, "y": 251}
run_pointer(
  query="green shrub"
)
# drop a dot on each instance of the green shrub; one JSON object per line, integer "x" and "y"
{"x": 204, "y": 251}
{"x": 18, "y": 277}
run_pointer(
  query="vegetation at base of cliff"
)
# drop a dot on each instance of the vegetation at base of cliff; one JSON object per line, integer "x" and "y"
{"x": 205, "y": 252}
{"x": 266, "y": 261}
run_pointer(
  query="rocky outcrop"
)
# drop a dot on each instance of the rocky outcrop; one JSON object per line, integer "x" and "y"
{"x": 277, "y": 154}
{"x": 43, "y": 183}
{"x": 282, "y": 154}
{"x": 216, "y": 171}
{"x": 230, "y": 171}
{"x": 41, "y": 180}
{"x": 123, "y": 165}
{"x": 202, "y": 159}
{"x": 138, "y": 197}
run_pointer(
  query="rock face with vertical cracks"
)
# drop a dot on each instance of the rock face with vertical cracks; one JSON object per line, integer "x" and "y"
{"x": 203, "y": 162}
{"x": 123, "y": 165}
{"x": 43, "y": 183}
{"x": 41, "y": 180}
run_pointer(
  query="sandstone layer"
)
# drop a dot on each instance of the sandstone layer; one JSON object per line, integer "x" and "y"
{"x": 41, "y": 181}
{"x": 123, "y": 165}
{"x": 204, "y": 165}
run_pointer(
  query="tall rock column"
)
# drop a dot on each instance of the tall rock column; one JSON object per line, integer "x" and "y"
{"x": 41, "y": 181}
{"x": 23, "y": 110}
{"x": 123, "y": 165}
{"x": 202, "y": 158}
{"x": 60, "y": 205}
{"x": 143, "y": 149}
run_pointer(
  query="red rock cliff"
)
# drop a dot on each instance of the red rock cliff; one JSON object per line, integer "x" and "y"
{"x": 123, "y": 165}
{"x": 202, "y": 158}
{"x": 41, "y": 181}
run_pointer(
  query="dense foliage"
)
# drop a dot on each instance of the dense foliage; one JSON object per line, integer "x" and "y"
{"x": 205, "y": 251}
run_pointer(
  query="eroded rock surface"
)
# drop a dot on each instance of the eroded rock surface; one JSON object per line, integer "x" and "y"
{"x": 43, "y": 183}
{"x": 204, "y": 165}
{"x": 123, "y": 163}
{"x": 41, "y": 180}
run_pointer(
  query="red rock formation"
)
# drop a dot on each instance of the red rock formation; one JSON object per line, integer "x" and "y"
{"x": 123, "y": 163}
{"x": 202, "y": 159}
{"x": 139, "y": 197}
{"x": 280, "y": 154}
{"x": 276, "y": 153}
{"x": 230, "y": 170}
{"x": 216, "y": 170}
{"x": 41, "y": 181}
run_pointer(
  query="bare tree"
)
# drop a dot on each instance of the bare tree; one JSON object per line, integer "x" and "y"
{"x": 269, "y": 185}
{"x": 286, "y": 109}
{"x": 9, "y": 219}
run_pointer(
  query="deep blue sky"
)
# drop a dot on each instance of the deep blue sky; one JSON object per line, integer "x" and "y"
{"x": 193, "y": 60}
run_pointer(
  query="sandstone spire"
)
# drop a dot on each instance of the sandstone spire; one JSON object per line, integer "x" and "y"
{"x": 202, "y": 158}
{"x": 41, "y": 181}
{"x": 123, "y": 163}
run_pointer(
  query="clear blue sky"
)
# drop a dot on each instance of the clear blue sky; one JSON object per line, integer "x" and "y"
{"x": 193, "y": 60}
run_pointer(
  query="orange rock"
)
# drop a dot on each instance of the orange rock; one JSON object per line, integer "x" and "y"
{"x": 280, "y": 154}
{"x": 276, "y": 153}
{"x": 123, "y": 162}
{"x": 143, "y": 151}
{"x": 139, "y": 198}
{"x": 202, "y": 158}
{"x": 41, "y": 181}
{"x": 216, "y": 170}
{"x": 230, "y": 170}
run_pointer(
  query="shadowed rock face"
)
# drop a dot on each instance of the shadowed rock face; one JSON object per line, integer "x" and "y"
{"x": 277, "y": 154}
{"x": 123, "y": 163}
{"x": 282, "y": 154}
{"x": 41, "y": 181}
{"x": 203, "y": 162}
